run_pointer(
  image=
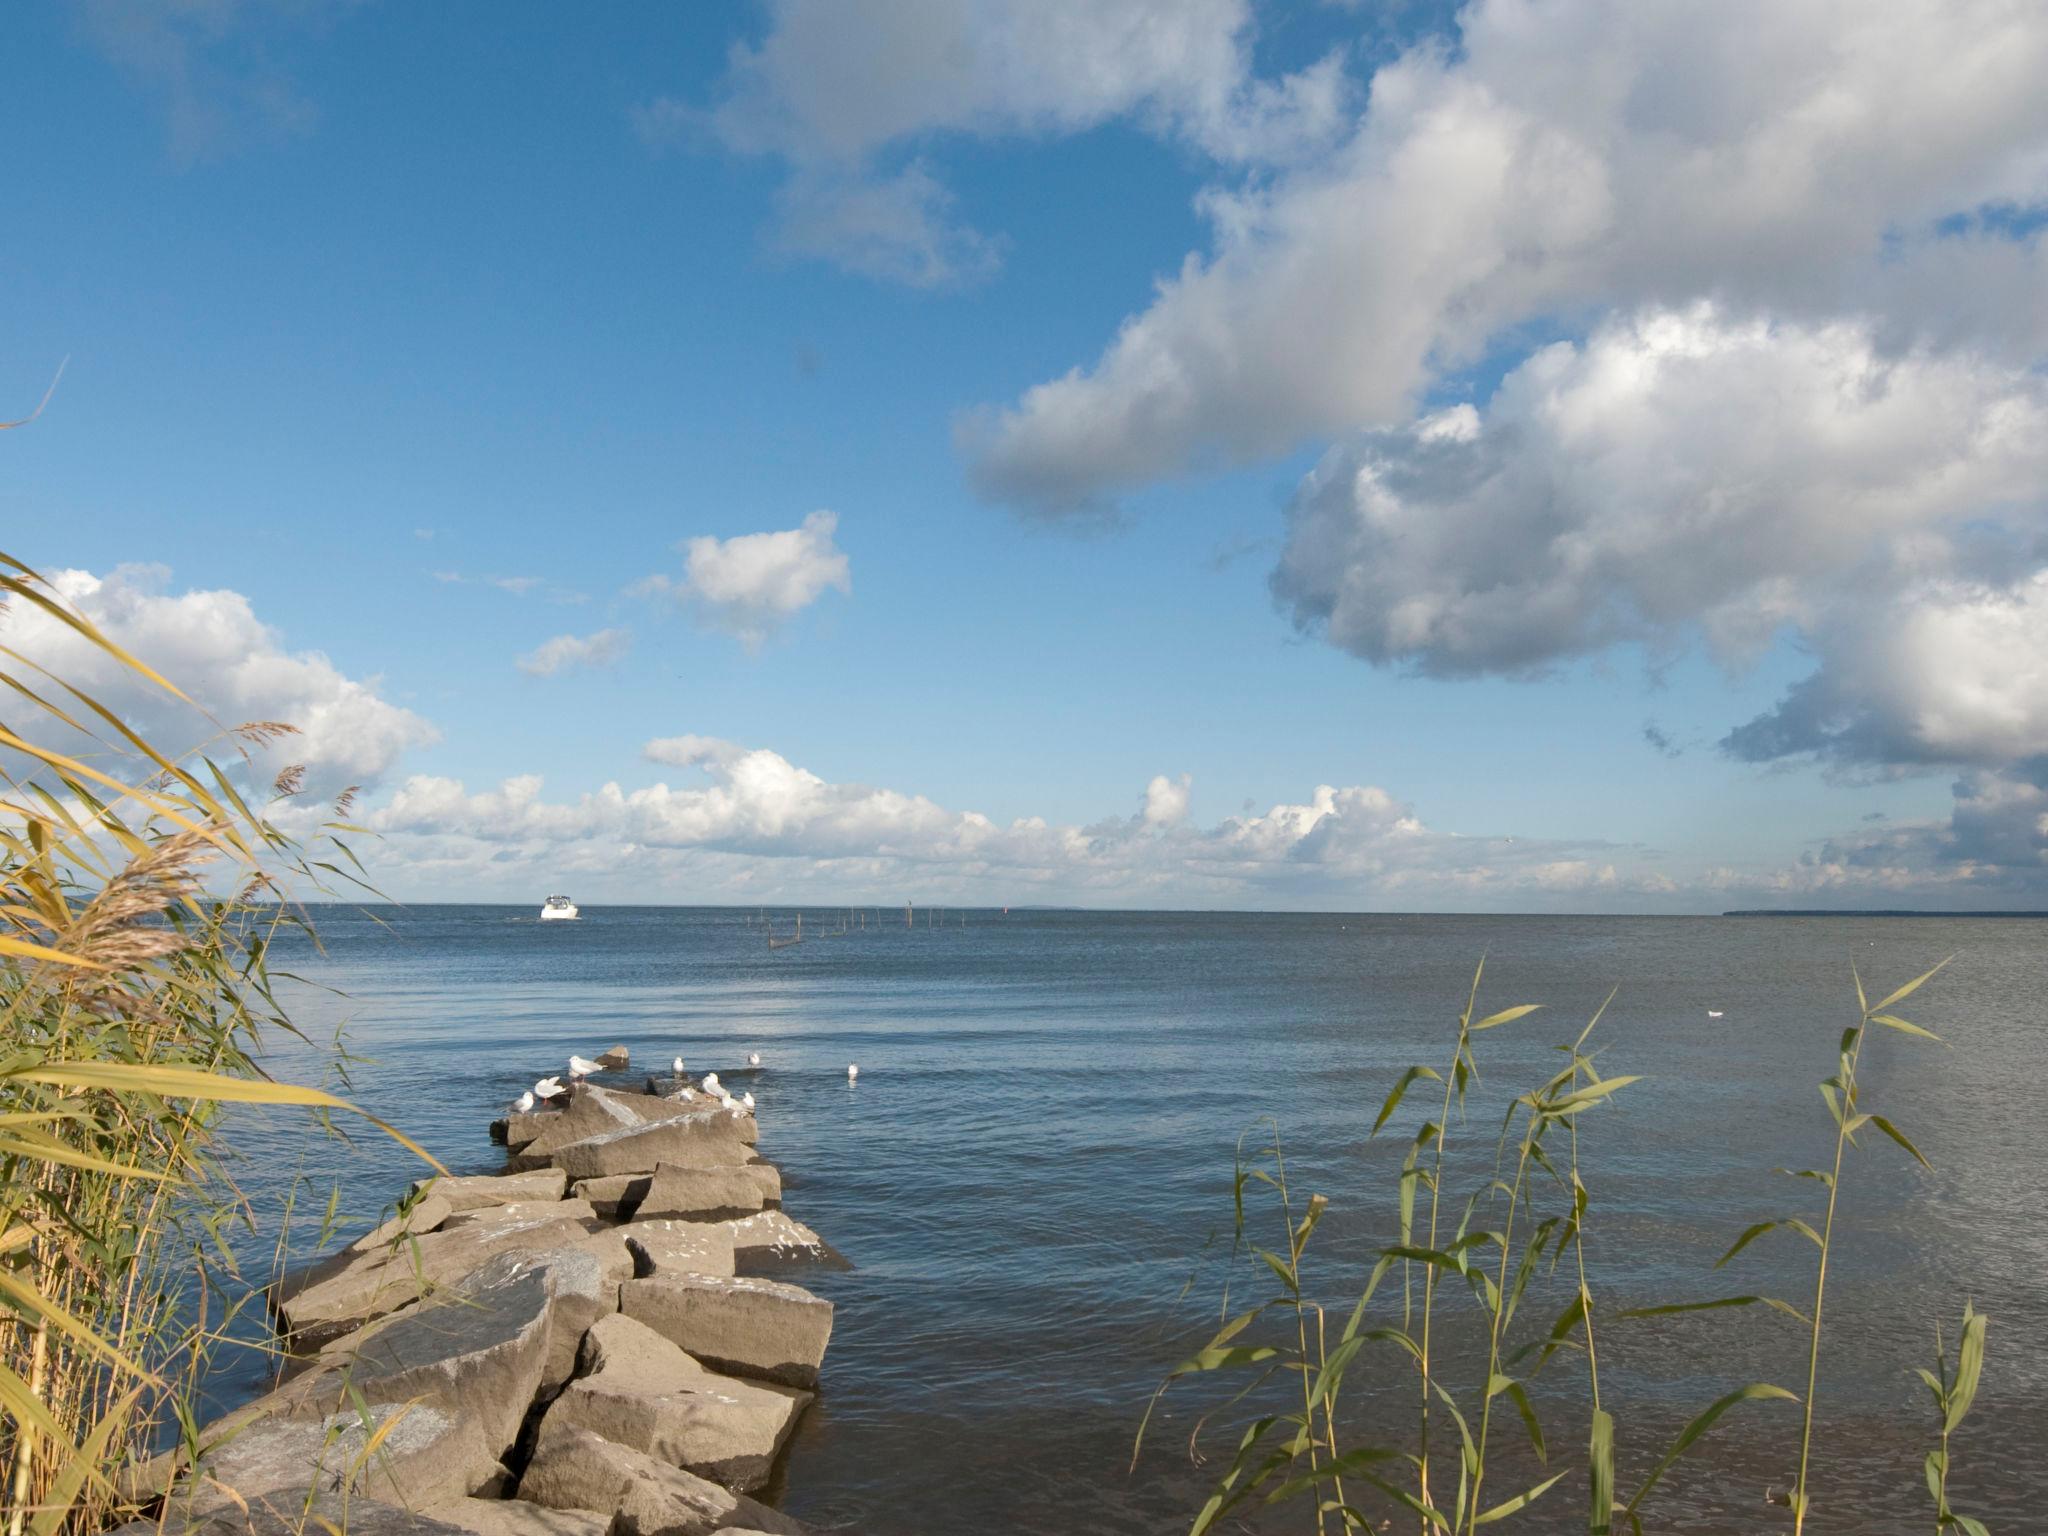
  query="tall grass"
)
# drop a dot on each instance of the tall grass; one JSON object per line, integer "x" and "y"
{"x": 1530, "y": 1212}
{"x": 140, "y": 896}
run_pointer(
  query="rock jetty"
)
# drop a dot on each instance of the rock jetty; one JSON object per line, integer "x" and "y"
{"x": 607, "y": 1339}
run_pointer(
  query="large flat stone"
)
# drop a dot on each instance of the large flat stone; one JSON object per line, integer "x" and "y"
{"x": 334, "y": 1296}
{"x": 709, "y": 1194}
{"x": 516, "y": 1517}
{"x": 769, "y": 1243}
{"x": 616, "y": 1196}
{"x": 484, "y": 1343}
{"x": 425, "y": 1216}
{"x": 666, "y": 1247}
{"x": 635, "y": 1388}
{"x": 575, "y": 1469}
{"x": 591, "y": 1111}
{"x": 430, "y": 1455}
{"x": 517, "y": 1211}
{"x": 479, "y": 1190}
{"x": 746, "y": 1326}
{"x": 703, "y": 1139}
{"x": 355, "y": 1516}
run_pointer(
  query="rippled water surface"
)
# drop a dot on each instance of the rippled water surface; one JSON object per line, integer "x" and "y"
{"x": 1039, "y": 1146}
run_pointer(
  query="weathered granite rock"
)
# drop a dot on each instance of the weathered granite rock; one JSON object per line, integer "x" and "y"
{"x": 662, "y": 1247}
{"x": 425, "y": 1216}
{"x": 574, "y": 1469}
{"x": 334, "y": 1296}
{"x": 637, "y": 1389}
{"x": 770, "y": 1242}
{"x": 480, "y": 1190}
{"x": 747, "y": 1326}
{"x": 710, "y": 1194}
{"x": 430, "y": 1455}
{"x": 356, "y": 1516}
{"x": 704, "y": 1139}
{"x": 517, "y": 1211}
{"x": 592, "y": 1111}
{"x": 516, "y": 1517}
{"x": 616, "y": 1196}
{"x": 615, "y": 1260}
{"x": 488, "y": 1343}
{"x": 615, "y": 1060}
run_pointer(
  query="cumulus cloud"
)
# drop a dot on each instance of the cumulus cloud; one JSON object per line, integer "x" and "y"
{"x": 835, "y": 90}
{"x": 753, "y": 583}
{"x": 1586, "y": 154}
{"x": 750, "y": 804}
{"x": 1682, "y": 471}
{"x": 1166, "y": 800}
{"x": 566, "y": 653}
{"x": 231, "y": 664}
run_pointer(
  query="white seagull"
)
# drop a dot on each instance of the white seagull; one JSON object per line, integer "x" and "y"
{"x": 711, "y": 1084}
{"x": 748, "y": 1100}
{"x": 1713, "y": 1013}
{"x": 524, "y": 1104}
{"x": 548, "y": 1087}
{"x": 754, "y": 1060}
{"x": 579, "y": 1067}
{"x": 677, "y": 1064}
{"x": 852, "y": 1072}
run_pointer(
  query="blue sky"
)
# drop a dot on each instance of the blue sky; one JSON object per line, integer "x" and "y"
{"x": 358, "y": 298}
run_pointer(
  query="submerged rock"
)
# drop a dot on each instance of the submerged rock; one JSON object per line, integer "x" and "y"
{"x": 575, "y": 1469}
{"x": 637, "y": 1389}
{"x": 747, "y": 1326}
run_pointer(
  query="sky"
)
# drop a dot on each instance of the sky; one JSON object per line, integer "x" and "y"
{"x": 1539, "y": 455}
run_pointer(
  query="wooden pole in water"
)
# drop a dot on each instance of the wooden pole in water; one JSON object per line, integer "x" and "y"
{"x": 906, "y": 914}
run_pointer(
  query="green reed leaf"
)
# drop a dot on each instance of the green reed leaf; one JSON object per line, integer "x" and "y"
{"x": 1506, "y": 1016}
{"x": 1408, "y": 1079}
{"x": 1900, "y": 1137}
{"x": 1904, "y": 1026}
{"x": 1908, "y": 989}
{"x": 1969, "y": 1367}
{"x": 1520, "y": 1501}
{"x": 1672, "y": 1308}
{"x": 1600, "y": 1475}
{"x": 1699, "y": 1426}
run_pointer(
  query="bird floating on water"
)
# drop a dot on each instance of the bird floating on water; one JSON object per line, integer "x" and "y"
{"x": 754, "y": 1059}
{"x": 524, "y": 1102}
{"x": 1713, "y": 1013}
{"x": 548, "y": 1087}
{"x": 852, "y": 1072}
{"x": 580, "y": 1067}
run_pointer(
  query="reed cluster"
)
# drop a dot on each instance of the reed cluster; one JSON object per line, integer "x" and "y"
{"x": 1290, "y": 1362}
{"x": 140, "y": 893}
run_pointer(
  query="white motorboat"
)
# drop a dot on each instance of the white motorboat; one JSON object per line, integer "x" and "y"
{"x": 558, "y": 908}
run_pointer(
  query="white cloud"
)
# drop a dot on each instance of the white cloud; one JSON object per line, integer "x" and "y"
{"x": 1166, "y": 800}
{"x": 565, "y": 653}
{"x": 753, "y": 583}
{"x": 1682, "y": 471}
{"x": 234, "y": 666}
{"x": 1567, "y": 157}
{"x": 758, "y": 818}
{"x": 834, "y": 88}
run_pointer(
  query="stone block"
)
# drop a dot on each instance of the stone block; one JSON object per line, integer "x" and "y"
{"x": 745, "y": 1325}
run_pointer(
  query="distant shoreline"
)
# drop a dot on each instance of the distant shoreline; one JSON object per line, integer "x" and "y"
{"x": 1866, "y": 912}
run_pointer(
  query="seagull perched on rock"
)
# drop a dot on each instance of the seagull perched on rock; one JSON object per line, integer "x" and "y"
{"x": 548, "y": 1087}
{"x": 524, "y": 1104}
{"x": 747, "y": 1099}
{"x": 677, "y": 1066}
{"x": 852, "y": 1072}
{"x": 754, "y": 1059}
{"x": 580, "y": 1067}
{"x": 711, "y": 1084}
